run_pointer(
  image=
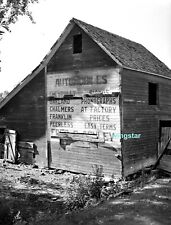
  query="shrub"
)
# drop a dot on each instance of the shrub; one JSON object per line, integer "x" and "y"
{"x": 85, "y": 190}
{"x": 91, "y": 189}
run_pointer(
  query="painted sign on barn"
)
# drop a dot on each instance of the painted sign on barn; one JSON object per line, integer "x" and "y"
{"x": 84, "y": 102}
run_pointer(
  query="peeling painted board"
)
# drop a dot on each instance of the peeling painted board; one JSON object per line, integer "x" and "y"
{"x": 113, "y": 170}
{"x": 101, "y": 79}
{"x": 91, "y": 152}
{"x": 81, "y": 82}
{"x": 103, "y": 121}
{"x": 85, "y": 162}
{"x": 87, "y": 170}
{"x": 84, "y": 154}
{"x": 76, "y": 136}
{"x": 90, "y": 169}
{"x": 83, "y": 120}
{"x": 93, "y": 115}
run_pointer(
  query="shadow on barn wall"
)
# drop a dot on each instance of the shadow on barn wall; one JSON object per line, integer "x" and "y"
{"x": 26, "y": 113}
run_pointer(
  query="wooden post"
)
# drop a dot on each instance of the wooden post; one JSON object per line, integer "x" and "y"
{"x": 48, "y": 139}
{"x": 49, "y": 155}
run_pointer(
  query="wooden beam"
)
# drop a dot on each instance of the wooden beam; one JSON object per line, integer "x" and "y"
{"x": 162, "y": 153}
{"x": 79, "y": 137}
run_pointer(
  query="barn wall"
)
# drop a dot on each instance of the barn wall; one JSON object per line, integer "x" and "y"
{"x": 73, "y": 147}
{"x": 91, "y": 56}
{"x": 26, "y": 113}
{"x": 141, "y": 118}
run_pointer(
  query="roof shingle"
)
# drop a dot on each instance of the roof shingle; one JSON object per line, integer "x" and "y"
{"x": 130, "y": 54}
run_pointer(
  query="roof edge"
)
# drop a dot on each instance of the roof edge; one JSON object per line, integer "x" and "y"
{"x": 99, "y": 44}
{"x": 143, "y": 71}
{"x": 41, "y": 66}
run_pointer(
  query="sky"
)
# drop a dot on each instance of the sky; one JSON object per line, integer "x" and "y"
{"x": 147, "y": 22}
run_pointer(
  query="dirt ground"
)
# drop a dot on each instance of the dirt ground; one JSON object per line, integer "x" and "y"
{"x": 28, "y": 195}
{"x": 36, "y": 197}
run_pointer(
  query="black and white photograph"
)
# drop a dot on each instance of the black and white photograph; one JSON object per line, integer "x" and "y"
{"x": 85, "y": 112}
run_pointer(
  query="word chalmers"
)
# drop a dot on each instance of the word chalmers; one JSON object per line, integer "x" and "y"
{"x": 81, "y": 80}
{"x": 61, "y": 109}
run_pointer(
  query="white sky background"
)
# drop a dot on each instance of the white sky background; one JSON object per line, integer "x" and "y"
{"x": 145, "y": 21}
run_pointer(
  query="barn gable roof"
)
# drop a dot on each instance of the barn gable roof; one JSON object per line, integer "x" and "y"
{"x": 126, "y": 53}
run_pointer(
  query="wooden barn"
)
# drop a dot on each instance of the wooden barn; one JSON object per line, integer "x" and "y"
{"x": 96, "y": 100}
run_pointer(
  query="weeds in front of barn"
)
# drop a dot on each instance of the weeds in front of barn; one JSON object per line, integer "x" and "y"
{"x": 85, "y": 191}
{"x": 45, "y": 195}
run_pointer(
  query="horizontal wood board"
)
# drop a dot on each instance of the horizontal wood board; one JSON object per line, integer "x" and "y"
{"x": 92, "y": 55}
{"x": 141, "y": 118}
{"x": 85, "y": 159}
{"x": 26, "y": 113}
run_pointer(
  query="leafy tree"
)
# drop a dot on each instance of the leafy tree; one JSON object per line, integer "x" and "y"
{"x": 11, "y": 9}
{"x": 3, "y": 95}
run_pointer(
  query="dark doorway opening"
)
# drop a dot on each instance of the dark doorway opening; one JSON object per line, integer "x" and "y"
{"x": 164, "y": 147}
{"x": 164, "y": 135}
{"x": 2, "y": 142}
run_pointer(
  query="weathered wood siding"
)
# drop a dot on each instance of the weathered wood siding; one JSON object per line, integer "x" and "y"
{"x": 165, "y": 163}
{"x": 78, "y": 143}
{"x": 91, "y": 56}
{"x": 26, "y": 113}
{"x": 141, "y": 118}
